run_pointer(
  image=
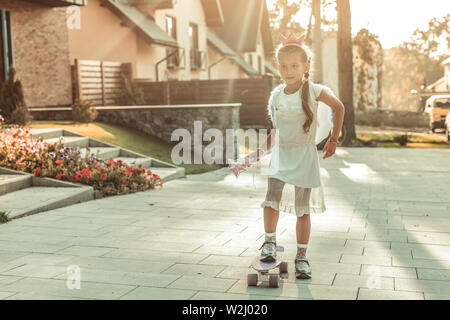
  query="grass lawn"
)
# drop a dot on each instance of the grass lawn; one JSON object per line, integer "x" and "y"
{"x": 128, "y": 138}
{"x": 418, "y": 140}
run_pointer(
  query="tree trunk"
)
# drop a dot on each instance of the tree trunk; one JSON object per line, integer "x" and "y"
{"x": 345, "y": 69}
{"x": 317, "y": 42}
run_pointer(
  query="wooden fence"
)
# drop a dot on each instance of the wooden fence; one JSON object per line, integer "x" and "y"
{"x": 99, "y": 81}
{"x": 252, "y": 93}
{"x": 102, "y": 84}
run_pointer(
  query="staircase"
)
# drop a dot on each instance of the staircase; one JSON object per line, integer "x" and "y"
{"x": 165, "y": 170}
{"x": 23, "y": 194}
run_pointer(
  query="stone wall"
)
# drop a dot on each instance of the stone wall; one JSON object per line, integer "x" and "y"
{"x": 403, "y": 119}
{"x": 161, "y": 122}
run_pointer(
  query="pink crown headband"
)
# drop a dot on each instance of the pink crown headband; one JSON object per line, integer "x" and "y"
{"x": 292, "y": 40}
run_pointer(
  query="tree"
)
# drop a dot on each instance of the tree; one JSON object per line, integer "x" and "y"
{"x": 426, "y": 42}
{"x": 415, "y": 64}
{"x": 317, "y": 43}
{"x": 345, "y": 70}
{"x": 282, "y": 18}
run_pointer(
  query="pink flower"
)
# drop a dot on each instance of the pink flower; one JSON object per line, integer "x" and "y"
{"x": 60, "y": 175}
{"x": 87, "y": 172}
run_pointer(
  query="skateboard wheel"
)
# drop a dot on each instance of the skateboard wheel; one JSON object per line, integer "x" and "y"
{"x": 252, "y": 279}
{"x": 274, "y": 280}
{"x": 283, "y": 267}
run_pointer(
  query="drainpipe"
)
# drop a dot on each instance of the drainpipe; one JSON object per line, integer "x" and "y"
{"x": 5, "y": 52}
{"x": 162, "y": 60}
{"x": 217, "y": 62}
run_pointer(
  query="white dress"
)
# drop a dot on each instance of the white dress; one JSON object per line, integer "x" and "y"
{"x": 294, "y": 158}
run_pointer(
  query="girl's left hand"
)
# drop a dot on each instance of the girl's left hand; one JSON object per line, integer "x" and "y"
{"x": 329, "y": 149}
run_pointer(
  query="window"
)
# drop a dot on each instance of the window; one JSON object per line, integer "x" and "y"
{"x": 171, "y": 29}
{"x": 250, "y": 59}
{"x": 193, "y": 40}
{"x": 6, "y": 44}
{"x": 259, "y": 64}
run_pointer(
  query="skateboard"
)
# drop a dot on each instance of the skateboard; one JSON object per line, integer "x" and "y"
{"x": 263, "y": 269}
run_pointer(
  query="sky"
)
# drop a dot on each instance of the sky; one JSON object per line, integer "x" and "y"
{"x": 392, "y": 26}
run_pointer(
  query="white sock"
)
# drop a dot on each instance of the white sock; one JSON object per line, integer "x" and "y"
{"x": 270, "y": 235}
{"x": 301, "y": 249}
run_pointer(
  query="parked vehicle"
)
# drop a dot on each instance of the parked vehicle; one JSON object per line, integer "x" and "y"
{"x": 437, "y": 106}
{"x": 447, "y": 126}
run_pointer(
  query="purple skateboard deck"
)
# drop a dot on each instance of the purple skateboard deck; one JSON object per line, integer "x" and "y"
{"x": 262, "y": 266}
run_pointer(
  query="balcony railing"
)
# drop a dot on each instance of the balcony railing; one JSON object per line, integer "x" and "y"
{"x": 198, "y": 60}
{"x": 178, "y": 60}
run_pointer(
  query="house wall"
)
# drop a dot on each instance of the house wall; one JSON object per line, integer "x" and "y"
{"x": 101, "y": 37}
{"x": 113, "y": 42}
{"x": 185, "y": 12}
{"x": 225, "y": 69}
{"x": 40, "y": 52}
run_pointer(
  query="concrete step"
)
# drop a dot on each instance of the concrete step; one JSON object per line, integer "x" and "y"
{"x": 47, "y": 133}
{"x": 146, "y": 162}
{"x": 12, "y": 182}
{"x": 37, "y": 199}
{"x": 81, "y": 142}
{"x": 167, "y": 174}
{"x": 104, "y": 152}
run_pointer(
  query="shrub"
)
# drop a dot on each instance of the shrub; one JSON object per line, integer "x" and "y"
{"x": 3, "y": 217}
{"x": 12, "y": 101}
{"x": 83, "y": 111}
{"x": 21, "y": 151}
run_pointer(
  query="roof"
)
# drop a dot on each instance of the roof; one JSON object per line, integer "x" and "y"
{"x": 60, "y": 3}
{"x": 434, "y": 84}
{"x": 266, "y": 33}
{"x": 141, "y": 22}
{"x": 220, "y": 45}
{"x": 446, "y": 61}
{"x": 155, "y": 4}
{"x": 241, "y": 25}
{"x": 438, "y": 96}
{"x": 212, "y": 8}
{"x": 213, "y": 13}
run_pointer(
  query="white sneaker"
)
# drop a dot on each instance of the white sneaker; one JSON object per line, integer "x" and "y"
{"x": 268, "y": 252}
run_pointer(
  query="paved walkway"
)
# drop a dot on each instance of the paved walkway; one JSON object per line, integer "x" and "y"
{"x": 386, "y": 234}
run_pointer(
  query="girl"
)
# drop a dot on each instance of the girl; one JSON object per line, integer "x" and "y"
{"x": 294, "y": 111}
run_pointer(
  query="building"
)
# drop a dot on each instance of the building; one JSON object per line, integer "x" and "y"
{"x": 443, "y": 84}
{"x": 35, "y": 42}
{"x": 183, "y": 40}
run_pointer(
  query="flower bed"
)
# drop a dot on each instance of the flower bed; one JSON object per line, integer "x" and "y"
{"x": 21, "y": 151}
